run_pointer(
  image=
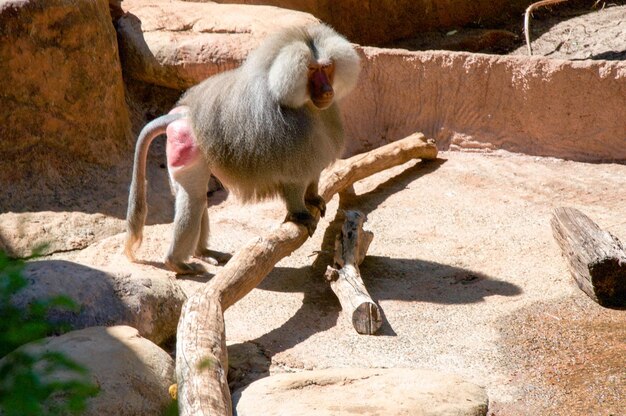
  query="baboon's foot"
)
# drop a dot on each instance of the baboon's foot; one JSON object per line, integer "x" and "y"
{"x": 213, "y": 257}
{"x": 185, "y": 268}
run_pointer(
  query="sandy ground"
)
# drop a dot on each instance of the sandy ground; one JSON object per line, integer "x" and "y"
{"x": 468, "y": 275}
{"x": 463, "y": 265}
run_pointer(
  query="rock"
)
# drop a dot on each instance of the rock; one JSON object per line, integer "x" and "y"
{"x": 346, "y": 391}
{"x": 21, "y": 233}
{"x": 62, "y": 91}
{"x": 107, "y": 297}
{"x": 177, "y": 44}
{"x": 132, "y": 373}
{"x": 380, "y": 22}
{"x": 247, "y": 362}
{"x": 478, "y": 102}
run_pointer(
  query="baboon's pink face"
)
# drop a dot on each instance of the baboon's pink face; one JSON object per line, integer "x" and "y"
{"x": 320, "y": 83}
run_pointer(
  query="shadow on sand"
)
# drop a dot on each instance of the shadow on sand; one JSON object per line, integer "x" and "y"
{"x": 401, "y": 279}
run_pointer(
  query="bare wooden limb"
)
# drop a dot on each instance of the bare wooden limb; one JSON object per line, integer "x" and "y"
{"x": 352, "y": 243}
{"x": 345, "y": 279}
{"x": 345, "y": 172}
{"x": 201, "y": 361}
{"x": 596, "y": 258}
{"x": 201, "y": 340}
{"x": 529, "y": 11}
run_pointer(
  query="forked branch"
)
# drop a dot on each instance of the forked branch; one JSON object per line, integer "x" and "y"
{"x": 202, "y": 360}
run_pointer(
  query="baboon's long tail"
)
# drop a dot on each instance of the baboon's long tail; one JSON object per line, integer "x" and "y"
{"x": 137, "y": 204}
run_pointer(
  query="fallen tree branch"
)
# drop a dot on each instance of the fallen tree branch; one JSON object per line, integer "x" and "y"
{"x": 344, "y": 276}
{"x": 201, "y": 355}
{"x": 345, "y": 172}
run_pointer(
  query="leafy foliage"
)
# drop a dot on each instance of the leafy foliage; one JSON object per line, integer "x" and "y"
{"x": 35, "y": 382}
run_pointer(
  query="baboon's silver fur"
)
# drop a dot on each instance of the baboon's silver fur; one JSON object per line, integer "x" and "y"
{"x": 258, "y": 132}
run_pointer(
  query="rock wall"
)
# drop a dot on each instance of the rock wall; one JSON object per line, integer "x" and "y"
{"x": 61, "y": 88}
{"x": 537, "y": 106}
{"x": 380, "y": 22}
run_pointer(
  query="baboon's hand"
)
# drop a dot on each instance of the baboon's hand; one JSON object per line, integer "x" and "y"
{"x": 303, "y": 218}
{"x": 318, "y": 202}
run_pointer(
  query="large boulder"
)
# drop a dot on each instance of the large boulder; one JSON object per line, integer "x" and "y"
{"x": 132, "y": 373}
{"x": 366, "y": 392}
{"x": 177, "y": 44}
{"x": 62, "y": 91}
{"x": 107, "y": 296}
{"x": 51, "y": 232}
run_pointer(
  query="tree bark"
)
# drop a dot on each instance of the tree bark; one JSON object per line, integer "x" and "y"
{"x": 345, "y": 278}
{"x": 595, "y": 258}
{"x": 202, "y": 358}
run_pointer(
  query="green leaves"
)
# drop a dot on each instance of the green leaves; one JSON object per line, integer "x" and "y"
{"x": 34, "y": 381}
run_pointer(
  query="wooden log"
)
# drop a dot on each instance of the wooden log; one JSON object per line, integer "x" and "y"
{"x": 345, "y": 172}
{"x": 353, "y": 241}
{"x": 596, "y": 258}
{"x": 202, "y": 386}
{"x": 201, "y": 355}
{"x": 345, "y": 279}
{"x": 202, "y": 389}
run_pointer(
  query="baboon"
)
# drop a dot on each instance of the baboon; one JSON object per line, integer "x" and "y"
{"x": 265, "y": 129}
